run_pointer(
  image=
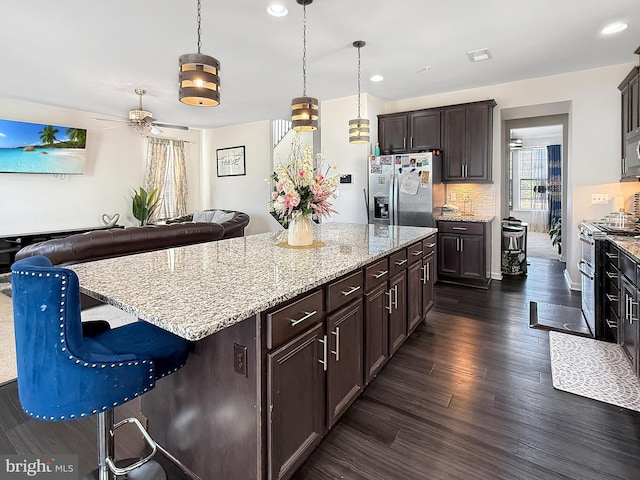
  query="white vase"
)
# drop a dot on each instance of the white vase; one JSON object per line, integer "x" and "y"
{"x": 300, "y": 231}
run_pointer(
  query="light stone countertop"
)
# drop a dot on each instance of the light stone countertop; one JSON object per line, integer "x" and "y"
{"x": 465, "y": 218}
{"x": 630, "y": 245}
{"x": 198, "y": 290}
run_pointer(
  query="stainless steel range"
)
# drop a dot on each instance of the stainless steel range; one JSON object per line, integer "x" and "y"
{"x": 592, "y": 236}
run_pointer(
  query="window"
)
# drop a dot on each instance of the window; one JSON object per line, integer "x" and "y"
{"x": 528, "y": 174}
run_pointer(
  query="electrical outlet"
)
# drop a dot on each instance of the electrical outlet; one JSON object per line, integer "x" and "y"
{"x": 599, "y": 199}
{"x": 240, "y": 359}
{"x": 453, "y": 197}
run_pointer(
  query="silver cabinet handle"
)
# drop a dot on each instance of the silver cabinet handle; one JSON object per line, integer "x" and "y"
{"x": 462, "y": 171}
{"x": 457, "y": 244}
{"x": 458, "y": 228}
{"x": 412, "y": 141}
{"x": 627, "y": 310}
{"x": 610, "y": 324}
{"x": 462, "y": 244}
{"x": 466, "y": 171}
{"x": 324, "y": 350}
{"x": 401, "y": 262}
{"x": 307, "y": 315}
{"x": 612, "y": 275}
{"x": 336, "y": 352}
{"x": 404, "y": 142}
{"x": 416, "y": 253}
{"x": 425, "y": 273}
{"x": 390, "y": 304}
{"x": 431, "y": 245}
{"x": 381, "y": 273}
{"x": 355, "y": 288}
{"x": 611, "y": 298}
{"x": 610, "y": 255}
{"x": 428, "y": 271}
{"x": 395, "y": 302}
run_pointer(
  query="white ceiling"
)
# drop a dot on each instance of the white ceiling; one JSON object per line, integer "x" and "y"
{"x": 90, "y": 55}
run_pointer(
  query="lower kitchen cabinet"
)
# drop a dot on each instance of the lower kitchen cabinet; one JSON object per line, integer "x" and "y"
{"x": 376, "y": 330}
{"x": 464, "y": 252}
{"x": 397, "y": 311}
{"x": 628, "y": 328}
{"x": 296, "y": 400}
{"x": 427, "y": 282}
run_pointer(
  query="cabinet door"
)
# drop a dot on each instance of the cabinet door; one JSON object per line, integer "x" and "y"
{"x": 453, "y": 144}
{"x": 448, "y": 254}
{"x": 398, "y": 315}
{"x": 414, "y": 295}
{"x": 424, "y": 130}
{"x": 628, "y": 328}
{"x": 296, "y": 398}
{"x": 376, "y": 330}
{"x": 472, "y": 261}
{"x": 392, "y": 133}
{"x": 634, "y": 106}
{"x": 427, "y": 283}
{"x": 478, "y": 148}
{"x": 344, "y": 375}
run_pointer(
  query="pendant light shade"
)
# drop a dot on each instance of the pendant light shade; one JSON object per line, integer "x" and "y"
{"x": 359, "y": 127}
{"x": 199, "y": 77}
{"x": 304, "y": 110}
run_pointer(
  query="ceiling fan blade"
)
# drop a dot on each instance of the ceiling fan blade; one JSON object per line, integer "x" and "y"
{"x": 112, "y": 120}
{"x": 166, "y": 125}
{"x": 147, "y": 120}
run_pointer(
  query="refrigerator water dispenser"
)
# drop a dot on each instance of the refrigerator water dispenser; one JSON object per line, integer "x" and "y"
{"x": 381, "y": 207}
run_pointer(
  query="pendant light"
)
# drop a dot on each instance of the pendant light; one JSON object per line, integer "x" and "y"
{"x": 359, "y": 127}
{"x": 304, "y": 110}
{"x": 199, "y": 77}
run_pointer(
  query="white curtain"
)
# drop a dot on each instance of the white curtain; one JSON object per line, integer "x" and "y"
{"x": 166, "y": 171}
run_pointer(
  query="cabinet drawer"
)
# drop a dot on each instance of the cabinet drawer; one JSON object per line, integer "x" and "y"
{"x": 397, "y": 262}
{"x": 627, "y": 266}
{"x": 344, "y": 290}
{"x": 415, "y": 253}
{"x": 612, "y": 289}
{"x": 470, "y": 228}
{"x": 376, "y": 274}
{"x": 288, "y": 320}
{"x": 429, "y": 245}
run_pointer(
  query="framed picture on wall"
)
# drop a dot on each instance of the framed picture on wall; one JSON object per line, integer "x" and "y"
{"x": 231, "y": 161}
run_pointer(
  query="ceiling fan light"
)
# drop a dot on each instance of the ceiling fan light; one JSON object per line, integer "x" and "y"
{"x": 199, "y": 80}
{"x": 359, "y": 130}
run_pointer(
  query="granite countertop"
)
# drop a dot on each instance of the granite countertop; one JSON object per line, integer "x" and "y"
{"x": 465, "y": 218}
{"x": 198, "y": 290}
{"x": 630, "y": 245}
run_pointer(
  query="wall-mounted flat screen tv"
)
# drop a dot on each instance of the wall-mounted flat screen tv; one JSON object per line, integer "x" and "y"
{"x": 41, "y": 148}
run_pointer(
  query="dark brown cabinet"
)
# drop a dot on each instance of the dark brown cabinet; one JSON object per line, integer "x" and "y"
{"x": 611, "y": 300}
{"x": 344, "y": 369}
{"x": 409, "y": 131}
{"x": 628, "y": 328}
{"x": 398, "y": 311}
{"x": 467, "y": 132}
{"x": 376, "y": 314}
{"x": 296, "y": 399}
{"x": 464, "y": 252}
{"x": 630, "y": 124}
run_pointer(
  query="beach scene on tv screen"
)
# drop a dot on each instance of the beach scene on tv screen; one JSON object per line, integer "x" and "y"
{"x": 41, "y": 148}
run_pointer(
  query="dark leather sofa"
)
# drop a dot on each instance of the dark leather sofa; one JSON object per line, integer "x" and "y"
{"x": 232, "y": 228}
{"x": 115, "y": 242}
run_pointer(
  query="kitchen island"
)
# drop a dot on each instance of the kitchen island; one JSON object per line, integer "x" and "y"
{"x": 284, "y": 339}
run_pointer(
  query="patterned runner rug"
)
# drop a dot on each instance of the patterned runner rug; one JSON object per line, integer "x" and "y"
{"x": 593, "y": 369}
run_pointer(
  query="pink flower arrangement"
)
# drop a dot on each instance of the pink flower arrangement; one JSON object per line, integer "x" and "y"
{"x": 300, "y": 186}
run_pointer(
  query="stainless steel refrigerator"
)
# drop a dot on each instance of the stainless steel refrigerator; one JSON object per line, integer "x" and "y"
{"x": 401, "y": 189}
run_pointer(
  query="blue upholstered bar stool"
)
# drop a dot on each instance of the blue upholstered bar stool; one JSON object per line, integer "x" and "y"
{"x": 65, "y": 374}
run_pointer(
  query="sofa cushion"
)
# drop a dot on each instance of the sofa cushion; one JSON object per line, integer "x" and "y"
{"x": 212, "y": 216}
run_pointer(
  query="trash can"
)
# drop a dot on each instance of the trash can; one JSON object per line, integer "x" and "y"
{"x": 514, "y": 247}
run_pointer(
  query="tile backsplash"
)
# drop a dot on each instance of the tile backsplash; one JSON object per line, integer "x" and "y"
{"x": 482, "y": 196}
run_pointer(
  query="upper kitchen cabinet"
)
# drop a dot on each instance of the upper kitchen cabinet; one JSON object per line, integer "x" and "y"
{"x": 630, "y": 123}
{"x": 467, "y": 142}
{"x": 409, "y": 131}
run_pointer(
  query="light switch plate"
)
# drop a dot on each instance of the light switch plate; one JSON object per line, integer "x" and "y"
{"x": 599, "y": 199}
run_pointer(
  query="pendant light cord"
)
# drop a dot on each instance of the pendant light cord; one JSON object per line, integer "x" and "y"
{"x": 304, "y": 50}
{"x": 358, "y": 83}
{"x": 199, "y": 29}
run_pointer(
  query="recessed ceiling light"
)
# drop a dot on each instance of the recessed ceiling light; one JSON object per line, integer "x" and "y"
{"x": 376, "y": 78}
{"x": 479, "y": 55}
{"x": 614, "y": 27}
{"x": 277, "y": 9}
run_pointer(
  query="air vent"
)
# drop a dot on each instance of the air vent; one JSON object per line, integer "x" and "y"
{"x": 479, "y": 55}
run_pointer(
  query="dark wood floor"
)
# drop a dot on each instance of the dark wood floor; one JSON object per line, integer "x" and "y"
{"x": 468, "y": 397}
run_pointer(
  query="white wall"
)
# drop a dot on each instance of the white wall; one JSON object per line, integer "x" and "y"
{"x": 247, "y": 193}
{"x": 114, "y": 165}
{"x": 594, "y": 139}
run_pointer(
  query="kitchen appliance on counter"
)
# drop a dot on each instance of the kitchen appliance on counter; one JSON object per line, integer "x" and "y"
{"x": 401, "y": 189}
{"x": 592, "y": 236}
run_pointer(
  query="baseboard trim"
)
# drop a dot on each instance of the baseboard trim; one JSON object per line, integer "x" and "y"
{"x": 572, "y": 286}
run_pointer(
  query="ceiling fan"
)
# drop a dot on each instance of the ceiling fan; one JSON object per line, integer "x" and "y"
{"x": 142, "y": 120}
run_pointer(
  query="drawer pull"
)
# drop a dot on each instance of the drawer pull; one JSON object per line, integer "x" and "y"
{"x": 431, "y": 245}
{"x": 458, "y": 228}
{"x": 381, "y": 273}
{"x": 336, "y": 352}
{"x": 401, "y": 262}
{"x": 355, "y": 288}
{"x": 307, "y": 315}
{"x": 612, "y": 275}
{"x": 612, "y": 298}
{"x": 610, "y": 324}
{"x": 324, "y": 353}
{"x": 611, "y": 255}
{"x": 417, "y": 253}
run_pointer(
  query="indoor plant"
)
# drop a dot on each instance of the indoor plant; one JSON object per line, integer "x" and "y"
{"x": 556, "y": 234}
{"x": 302, "y": 190}
{"x": 144, "y": 204}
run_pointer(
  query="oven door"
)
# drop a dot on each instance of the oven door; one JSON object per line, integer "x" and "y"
{"x": 586, "y": 266}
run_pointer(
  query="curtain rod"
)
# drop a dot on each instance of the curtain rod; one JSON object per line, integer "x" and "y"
{"x": 169, "y": 138}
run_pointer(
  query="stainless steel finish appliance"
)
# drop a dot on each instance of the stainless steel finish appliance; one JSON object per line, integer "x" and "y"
{"x": 401, "y": 189}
